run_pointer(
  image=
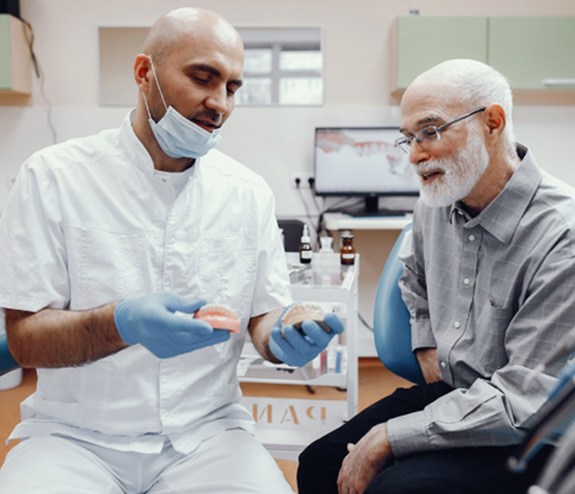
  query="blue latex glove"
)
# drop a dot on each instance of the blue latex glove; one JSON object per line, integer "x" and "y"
{"x": 297, "y": 347}
{"x": 151, "y": 321}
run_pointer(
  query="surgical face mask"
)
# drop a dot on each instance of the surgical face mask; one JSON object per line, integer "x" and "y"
{"x": 176, "y": 135}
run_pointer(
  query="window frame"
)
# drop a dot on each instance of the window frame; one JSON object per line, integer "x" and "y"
{"x": 278, "y": 41}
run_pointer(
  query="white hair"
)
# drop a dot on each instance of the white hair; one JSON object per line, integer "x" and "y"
{"x": 476, "y": 84}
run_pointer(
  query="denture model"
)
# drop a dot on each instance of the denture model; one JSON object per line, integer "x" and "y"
{"x": 300, "y": 312}
{"x": 219, "y": 316}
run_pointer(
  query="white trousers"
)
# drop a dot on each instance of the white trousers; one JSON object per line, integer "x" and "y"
{"x": 229, "y": 462}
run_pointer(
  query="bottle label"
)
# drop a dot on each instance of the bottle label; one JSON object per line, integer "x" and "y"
{"x": 348, "y": 256}
{"x": 306, "y": 254}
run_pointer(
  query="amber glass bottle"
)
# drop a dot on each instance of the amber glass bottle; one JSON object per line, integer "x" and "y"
{"x": 347, "y": 250}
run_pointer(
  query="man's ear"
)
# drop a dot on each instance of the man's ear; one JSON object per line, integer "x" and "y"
{"x": 496, "y": 118}
{"x": 142, "y": 70}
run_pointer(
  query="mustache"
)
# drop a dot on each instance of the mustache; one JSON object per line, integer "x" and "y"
{"x": 210, "y": 116}
{"x": 438, "y": 165}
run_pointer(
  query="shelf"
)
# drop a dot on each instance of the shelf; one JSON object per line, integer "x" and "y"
{"x": 341, "y": 221}
{"x": 261, "y": 371}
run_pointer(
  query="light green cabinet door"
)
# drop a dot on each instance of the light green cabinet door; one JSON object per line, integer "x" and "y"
{"x": 5, "y": 54}
{"x": 15, "y": 60}
{"x": 422, "y": 42}
{"x": 533, "y": 52}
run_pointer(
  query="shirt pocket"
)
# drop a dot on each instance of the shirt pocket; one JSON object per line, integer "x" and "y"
{"x": 498, "y": 310}
{"x": 494, "y": 322}
{"x": 105, "y": 266}
{"x": 223, "y": 269}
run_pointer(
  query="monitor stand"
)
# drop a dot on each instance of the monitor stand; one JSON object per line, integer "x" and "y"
{"x": 372, "y": 208}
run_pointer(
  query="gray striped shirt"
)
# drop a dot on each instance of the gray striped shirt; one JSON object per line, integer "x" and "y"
{"x": 493, "y": 293}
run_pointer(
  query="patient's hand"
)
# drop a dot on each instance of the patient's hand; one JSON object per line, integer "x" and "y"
{"x": 364, "y": 460}
{"x": 427, "y": 358}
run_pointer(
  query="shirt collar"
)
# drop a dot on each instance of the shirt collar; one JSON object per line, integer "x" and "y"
{"x": 136, "y": 151}
{"x": 513, "y": 200}
{"x": 133, "y": 147}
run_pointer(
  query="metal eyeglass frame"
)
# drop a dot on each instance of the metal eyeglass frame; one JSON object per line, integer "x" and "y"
{"x": 431, "y": 133}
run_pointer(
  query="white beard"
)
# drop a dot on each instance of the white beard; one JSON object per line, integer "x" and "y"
{"x": 461, "y": 174}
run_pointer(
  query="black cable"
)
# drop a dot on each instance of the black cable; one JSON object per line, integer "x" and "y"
{"x": 338, "y": 207}
{"x": 364, "y": 322}
{"x": 40, "y": 76}
{"x": 306, "y": 207}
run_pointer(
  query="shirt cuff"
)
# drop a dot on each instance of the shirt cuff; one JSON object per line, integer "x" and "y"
{"x": 407, "y": 434}
{"x": 421, "y": 335}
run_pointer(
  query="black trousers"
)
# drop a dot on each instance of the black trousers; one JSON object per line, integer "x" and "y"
{"x": 462, "y": 470}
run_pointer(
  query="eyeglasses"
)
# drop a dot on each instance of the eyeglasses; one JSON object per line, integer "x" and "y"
{"x": 430, "y": 134}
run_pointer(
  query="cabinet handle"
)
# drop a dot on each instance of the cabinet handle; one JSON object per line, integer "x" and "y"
{"x": 559, "y": 82}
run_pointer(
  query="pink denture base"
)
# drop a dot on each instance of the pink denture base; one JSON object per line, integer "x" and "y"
{"x": 220, "y": 321}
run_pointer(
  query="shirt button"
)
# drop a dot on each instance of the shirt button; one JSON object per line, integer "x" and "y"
{"x": 466, "y": 281}
{"x": 457, "y": 324}
{"x": 443, "y": 364}
{"x": 471, "y": 238}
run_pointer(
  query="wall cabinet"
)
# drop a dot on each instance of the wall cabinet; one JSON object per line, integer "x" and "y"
{"x": 15, "y": 59}
{"x": 422, "y": 42}
{"x": 534, "y": 53}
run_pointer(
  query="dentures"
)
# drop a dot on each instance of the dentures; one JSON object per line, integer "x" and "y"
{"x": 298, "y": 313}
{"x": 219, "y": 317}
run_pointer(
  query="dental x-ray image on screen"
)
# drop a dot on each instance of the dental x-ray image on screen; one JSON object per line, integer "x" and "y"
{"x": 362, "y": 161}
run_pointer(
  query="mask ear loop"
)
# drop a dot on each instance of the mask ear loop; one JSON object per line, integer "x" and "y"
{"x": 157, "y": 85}
{"x": 147, "y": 107}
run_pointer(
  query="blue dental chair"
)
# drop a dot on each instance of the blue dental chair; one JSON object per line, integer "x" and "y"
{"x": 8, "y": 366}
{"x": 7, "y": 362}
{"x": 392, "y": 327}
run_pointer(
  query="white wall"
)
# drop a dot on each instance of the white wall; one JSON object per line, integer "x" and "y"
{"x": 272, "y": 141}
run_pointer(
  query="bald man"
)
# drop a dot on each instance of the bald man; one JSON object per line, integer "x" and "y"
{"x": 110, "y": 245}
{"x": 489, "y": 282}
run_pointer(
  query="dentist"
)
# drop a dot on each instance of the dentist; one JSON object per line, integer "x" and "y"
{"x": 105, "y": 239}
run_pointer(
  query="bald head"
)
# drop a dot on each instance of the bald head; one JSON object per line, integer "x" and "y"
{"x": 187, "y": 24}
{"x": 192, "y": 63}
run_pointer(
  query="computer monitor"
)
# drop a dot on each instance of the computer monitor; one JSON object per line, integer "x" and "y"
{"x": 362, "y": 161}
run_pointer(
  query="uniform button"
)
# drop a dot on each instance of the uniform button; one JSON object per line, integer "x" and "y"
{"x": 471, "y": 238}
{"x": 466, "y": 281}
{"x": 443, "y": 364}
{"x": 457, "y": 324}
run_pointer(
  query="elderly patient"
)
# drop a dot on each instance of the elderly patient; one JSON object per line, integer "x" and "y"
{"x": 489, "y": 281}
